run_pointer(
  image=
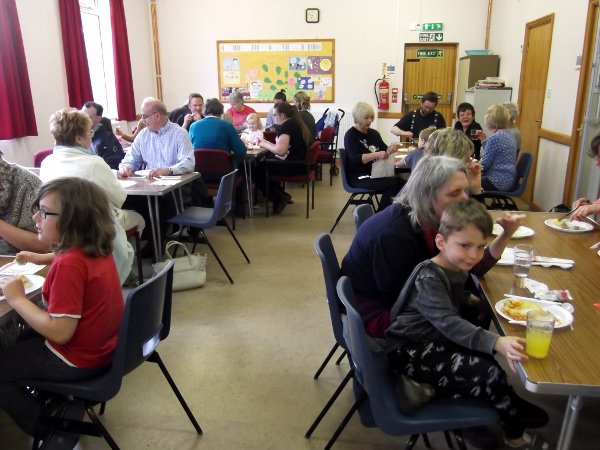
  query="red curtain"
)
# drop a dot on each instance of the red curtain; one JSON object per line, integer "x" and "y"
{"x": 123, "y": 78}
{"x": 78, "y": 72}
{"x": 16, "y": 105}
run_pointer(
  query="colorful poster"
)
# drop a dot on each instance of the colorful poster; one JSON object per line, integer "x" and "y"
{"x": 231, "y": 77}
{"x": 297, "y": 63}
{"x": 320, "y": 64}
{"x": 306, "y": 83}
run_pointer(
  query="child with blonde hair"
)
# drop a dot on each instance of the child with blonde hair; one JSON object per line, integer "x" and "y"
{"x": 254, "y": 130}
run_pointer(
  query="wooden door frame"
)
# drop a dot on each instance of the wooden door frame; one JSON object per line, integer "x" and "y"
{"x": 548, "y": 19}
{"x": 582, "y": 88}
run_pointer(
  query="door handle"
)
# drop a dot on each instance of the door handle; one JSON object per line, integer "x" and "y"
{"x": 449, "y": 101}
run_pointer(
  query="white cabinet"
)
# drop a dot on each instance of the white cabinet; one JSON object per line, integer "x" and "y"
{"x": 482, "y": 99}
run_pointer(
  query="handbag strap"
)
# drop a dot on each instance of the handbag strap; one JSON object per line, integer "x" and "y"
{"x": 174, "y": 243}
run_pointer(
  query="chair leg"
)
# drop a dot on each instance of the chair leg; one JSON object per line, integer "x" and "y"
{"x": 100, "y": 427}
{"x": 426, "y": 440}
{"x": 331, "y": 401}
{"x": 237, "y": 242}
{"x": 448, "y": 440}
{"x": 459, "y": 440}
{"x": 358, "y": 402}
{"x": 155, "y": 358}
{"x": 215, "y": 253}
{"x": 313, "y": 193}
{"x": 411, "y": 442}
{"x": 335, "y": 347}
{"x": 139, "y": 259}
{"x": 342, "y": 213}
{"x": 337, "y": 363}
{"x": 307, "y": 196}
{"x": 267, "y": 193}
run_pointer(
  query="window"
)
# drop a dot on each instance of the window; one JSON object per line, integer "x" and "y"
{"x": 95, "y": 18}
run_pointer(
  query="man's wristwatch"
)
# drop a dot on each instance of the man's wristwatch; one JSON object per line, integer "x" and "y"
{"x": 171, "y": 171}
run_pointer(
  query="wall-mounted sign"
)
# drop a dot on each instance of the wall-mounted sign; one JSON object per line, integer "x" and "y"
{"x": 430, "y": 53}
{"x": 420, "y": 96}
{"x": 432, "y": 27}
{"x": 431, "y": 37}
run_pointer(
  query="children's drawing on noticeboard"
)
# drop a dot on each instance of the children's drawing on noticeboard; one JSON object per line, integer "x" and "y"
{"x": 297, "y": 63}
{"x": 260, "y": 69}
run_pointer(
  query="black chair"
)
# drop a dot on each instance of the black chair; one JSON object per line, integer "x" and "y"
{"x": 196, "y": 217}
{"x": 331, "y": 269}
{"x": 361, "y": 213}
{"x": 372, "y": 370}
{"x": 146, "y": 321}
{"x": 503, "y": 199}
{"x": 354, "y": 192}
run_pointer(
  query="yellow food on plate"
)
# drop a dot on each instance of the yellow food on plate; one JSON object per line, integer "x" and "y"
{"x": 564, "y": 225}
{"x": 517, "y": 309}
{"x": 25, "y": 281}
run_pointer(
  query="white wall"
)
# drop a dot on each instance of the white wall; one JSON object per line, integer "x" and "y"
{"x": 366, "y": 35}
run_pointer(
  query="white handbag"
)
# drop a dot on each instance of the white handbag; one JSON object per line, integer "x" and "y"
{"x": 382, "y": 168}
{"x": 189, "y": 271}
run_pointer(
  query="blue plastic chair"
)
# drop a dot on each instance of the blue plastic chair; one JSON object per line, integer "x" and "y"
{"x": 146, "y": 321}
{"x": 373, "y": 372}
{"x": 361, "y": 214}
{"x": 503, "y": 199}
{"x": 331, "y": 269}
{"x": 354, "y": 192}
{"x": 204, "y": 218}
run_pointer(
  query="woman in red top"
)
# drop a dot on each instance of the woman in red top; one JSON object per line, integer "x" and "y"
{"x": 75, "y": 337}
{"x": 239, "y": 111}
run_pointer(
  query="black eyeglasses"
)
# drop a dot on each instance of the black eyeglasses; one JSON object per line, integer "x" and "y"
{"x": 144, "y": 117}
{"x": 43, "y": 213}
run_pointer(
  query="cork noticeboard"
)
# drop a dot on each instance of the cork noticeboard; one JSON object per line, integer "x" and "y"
{"x": 260, "y": 69}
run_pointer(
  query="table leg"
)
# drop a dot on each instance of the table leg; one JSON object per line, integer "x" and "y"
{"x": 248, "y": 175}
{"x": 159, "y": 253}
{"x": 153, "y": 226}
{"x": 569, "y": 422}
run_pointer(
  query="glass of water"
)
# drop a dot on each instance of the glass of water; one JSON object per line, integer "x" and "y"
{"x": 523, "y": 255}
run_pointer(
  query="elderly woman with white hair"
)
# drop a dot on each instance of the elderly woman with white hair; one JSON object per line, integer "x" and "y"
{"x": 513, "y": 111}
{"x": 389, "y": 245}
{"x": 499, "y": 156}
{"x": 363, "y": 147}
{"x": 239, "y": 111}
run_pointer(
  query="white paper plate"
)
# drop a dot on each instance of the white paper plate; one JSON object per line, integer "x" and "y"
{"x": 564, "y": 317}
{"x": 142, "y": 173}
{"x": 35, "y": 282}
{"x": 583, "y": 226}
{"x": 522, "y": 232}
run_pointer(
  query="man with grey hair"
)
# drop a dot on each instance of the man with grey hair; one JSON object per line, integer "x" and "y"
{"x": 166, "y": 149}
{"x": 513, "y": 111}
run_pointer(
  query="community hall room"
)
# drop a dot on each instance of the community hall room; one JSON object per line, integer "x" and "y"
{"x": 244, "y": 347}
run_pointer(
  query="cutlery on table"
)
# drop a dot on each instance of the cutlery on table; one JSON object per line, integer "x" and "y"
{"x": 596, "y": 245}
{"x": 566, "y": 215}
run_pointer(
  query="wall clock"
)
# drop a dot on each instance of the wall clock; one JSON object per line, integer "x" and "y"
{"x": 312, "y": 15}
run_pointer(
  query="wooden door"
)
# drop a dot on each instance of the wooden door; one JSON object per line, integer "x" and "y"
{"x": 575, "y": 153}
{"x": 424, "y": 74}
{"x": 532, "y": 89}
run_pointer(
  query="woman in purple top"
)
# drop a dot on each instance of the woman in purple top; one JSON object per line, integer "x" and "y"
{"x": 499, "y": 158}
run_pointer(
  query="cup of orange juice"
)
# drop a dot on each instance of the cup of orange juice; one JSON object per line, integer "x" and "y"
{"x": 540, "y": 325}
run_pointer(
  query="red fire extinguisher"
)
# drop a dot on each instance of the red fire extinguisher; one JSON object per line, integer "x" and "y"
{"x": 383, "y": 98}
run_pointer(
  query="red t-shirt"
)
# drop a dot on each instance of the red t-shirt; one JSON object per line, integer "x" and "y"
{"x": 240, "y": 117}
{"x": 88, "y": 289}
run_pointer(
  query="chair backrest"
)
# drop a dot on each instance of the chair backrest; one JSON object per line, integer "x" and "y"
{"x": 141, "y": 328}
{"x": 270, "y": 136}
{"x": 224, "y": 200}
{"x": 328, "y": 134}
{"x": 371, "y": 367}
{"x": 213, "y": 161}
{"x": 362, "y": 213}
{"x": 331, "y": 270}
{"x": 523, "y": 168}
{"x": 39, "y": 156}
{"x": 106, "y": 124}
{"x": 312, "y": 154}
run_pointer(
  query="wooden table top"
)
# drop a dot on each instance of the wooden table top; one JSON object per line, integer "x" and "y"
{"x": 6, "y": 311}
{"x": 571, "y": 367}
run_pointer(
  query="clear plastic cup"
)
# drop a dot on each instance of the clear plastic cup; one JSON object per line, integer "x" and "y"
{"x": 523, "y": 255}
{"x": 540, "y": 325}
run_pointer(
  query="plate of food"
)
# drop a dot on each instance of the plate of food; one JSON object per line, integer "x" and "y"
{"x": 31, "y": 283}
{"x": 569, "y": 226}
{"x": 522, "y": 232}
{"x": 513, "y": 309}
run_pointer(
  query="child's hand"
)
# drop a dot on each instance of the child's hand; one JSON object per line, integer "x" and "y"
{"x": 12, "y": 288}
{"x": 511, "y": 347}
{"x": 510, "y": 223}
{"x": 36, "y": 258}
